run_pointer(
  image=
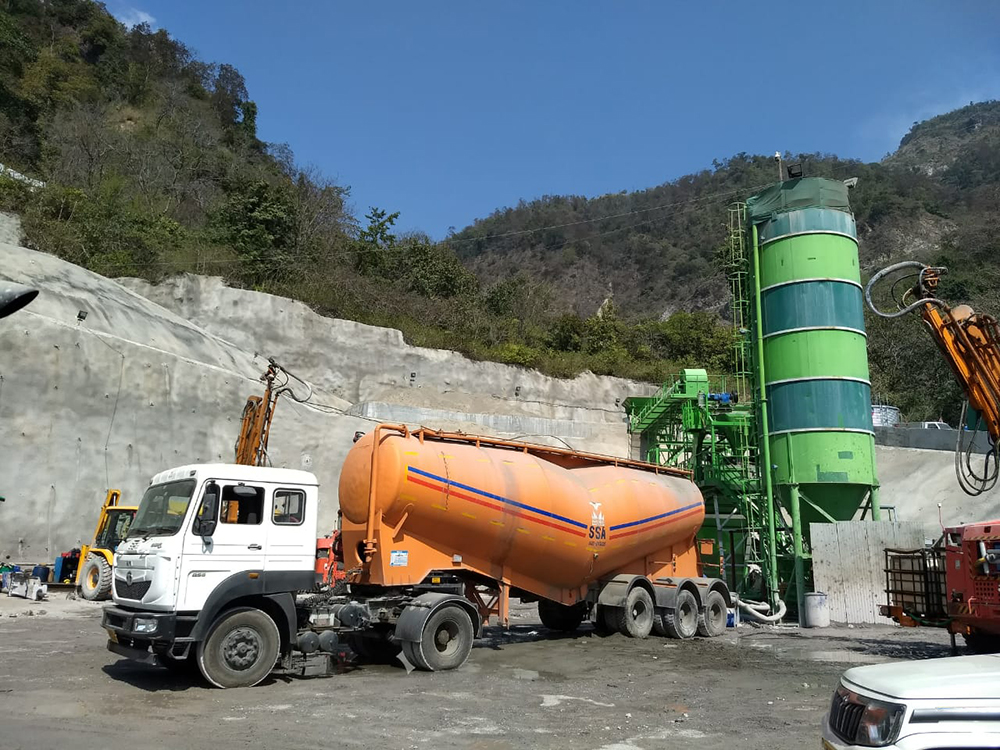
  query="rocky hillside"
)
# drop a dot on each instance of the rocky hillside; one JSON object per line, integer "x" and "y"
{"x": 153, "y": 167}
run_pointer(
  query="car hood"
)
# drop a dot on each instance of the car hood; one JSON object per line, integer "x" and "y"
{"x": 953, "y": 677}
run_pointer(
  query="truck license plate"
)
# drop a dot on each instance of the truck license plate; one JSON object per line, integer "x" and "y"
{"x": 112, "y": 636}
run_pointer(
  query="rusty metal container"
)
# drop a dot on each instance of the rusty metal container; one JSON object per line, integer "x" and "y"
{"x": 545, "y": 520}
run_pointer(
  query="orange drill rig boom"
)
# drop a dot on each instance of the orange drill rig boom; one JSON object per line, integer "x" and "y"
{"x": 970, "y": 342}
{"x": 255, "y": 427}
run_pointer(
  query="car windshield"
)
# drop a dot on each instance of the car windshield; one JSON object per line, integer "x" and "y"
{"x": 162, "y": 509}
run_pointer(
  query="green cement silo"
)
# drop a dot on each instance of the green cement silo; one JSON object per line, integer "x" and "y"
{"x": 811, "y": 352}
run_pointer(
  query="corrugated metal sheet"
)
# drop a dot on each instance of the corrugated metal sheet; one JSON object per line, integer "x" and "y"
{"x": 849, "y": 564}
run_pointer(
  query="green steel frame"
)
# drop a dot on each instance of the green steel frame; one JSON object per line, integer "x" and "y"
{"x": 759, "y": 518}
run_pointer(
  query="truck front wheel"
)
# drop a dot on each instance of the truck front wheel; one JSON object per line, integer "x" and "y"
{"x": 445, "y": 643}
{"x": 240, "y": 650}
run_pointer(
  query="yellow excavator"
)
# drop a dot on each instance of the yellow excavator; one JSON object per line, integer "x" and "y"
{"x": 94, "y": 571}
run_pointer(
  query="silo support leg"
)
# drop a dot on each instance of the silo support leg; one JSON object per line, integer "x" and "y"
{"x": 873, "y": 501}
{"x": 800, "y": 564}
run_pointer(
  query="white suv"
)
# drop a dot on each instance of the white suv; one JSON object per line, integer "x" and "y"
{"x": 932, "y": 704}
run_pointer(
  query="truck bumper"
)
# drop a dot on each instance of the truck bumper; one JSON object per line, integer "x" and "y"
{"x": 136, "y": 635}
{"x": 129, "y": 652}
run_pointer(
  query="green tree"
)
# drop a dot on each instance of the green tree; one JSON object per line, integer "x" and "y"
{"x": 258, "y": 221}
{"x": 375, "y": 243}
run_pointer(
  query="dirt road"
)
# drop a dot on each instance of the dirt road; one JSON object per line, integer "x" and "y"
{"x": 523, "y": 689}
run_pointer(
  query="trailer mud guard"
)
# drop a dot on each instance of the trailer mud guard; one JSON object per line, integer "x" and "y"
{"x": 666, "y": 595}
{"x": 410, "y": 625}
{"x": 615, "y": 590}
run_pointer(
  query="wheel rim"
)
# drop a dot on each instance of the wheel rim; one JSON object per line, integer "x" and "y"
{"x": 446, "y": 638}
{"x": 94, "y": 578}
{"x": 689, "y": 615}
{"x": 241, "y": 648}
{"x": 638, "y": 610}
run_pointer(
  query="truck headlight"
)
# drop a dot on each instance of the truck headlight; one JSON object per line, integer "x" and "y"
{"x": 144, "y": 625}
{"x": 865, "y": 721}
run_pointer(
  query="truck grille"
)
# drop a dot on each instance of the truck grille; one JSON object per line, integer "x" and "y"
{"x": 135, "y": 590}
{"x": 845, "y": 716}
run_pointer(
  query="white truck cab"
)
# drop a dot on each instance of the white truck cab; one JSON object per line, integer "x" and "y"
{"x": 929, "y": 704}
{"x": 207, "y": 537}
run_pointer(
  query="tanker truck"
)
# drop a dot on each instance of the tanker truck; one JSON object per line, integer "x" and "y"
{"x": 440, "y": 531}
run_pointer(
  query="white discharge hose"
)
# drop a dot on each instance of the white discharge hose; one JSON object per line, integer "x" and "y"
{"x": 758, "y": 610}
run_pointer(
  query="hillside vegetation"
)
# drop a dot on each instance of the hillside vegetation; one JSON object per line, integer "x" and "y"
{"x": 154, "y": 166}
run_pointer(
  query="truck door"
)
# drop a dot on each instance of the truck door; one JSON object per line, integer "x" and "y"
{"x": 236, "y": 546}
{"x": 291, "y": 536}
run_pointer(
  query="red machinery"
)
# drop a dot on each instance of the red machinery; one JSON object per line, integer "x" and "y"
{"x": 955, "y": 584}
{"x": 330, "y": 559}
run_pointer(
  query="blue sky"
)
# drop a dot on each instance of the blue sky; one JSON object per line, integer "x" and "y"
{"x": 446, "y": 111}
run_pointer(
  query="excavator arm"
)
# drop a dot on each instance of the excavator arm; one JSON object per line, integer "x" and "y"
{"x": 970, "y": 343}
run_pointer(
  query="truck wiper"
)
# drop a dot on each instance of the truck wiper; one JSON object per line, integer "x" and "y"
{"x": 150, "y": 531}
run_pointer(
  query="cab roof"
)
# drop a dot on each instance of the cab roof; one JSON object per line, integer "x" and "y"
{"x": 236, "y": 472}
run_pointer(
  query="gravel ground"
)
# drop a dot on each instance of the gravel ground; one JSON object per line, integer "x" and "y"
{"x": 526, "y": 688}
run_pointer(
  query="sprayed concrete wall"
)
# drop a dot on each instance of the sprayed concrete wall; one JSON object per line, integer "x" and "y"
{"x": 158, "y": 378}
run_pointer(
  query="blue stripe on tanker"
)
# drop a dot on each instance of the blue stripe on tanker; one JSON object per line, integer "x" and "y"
{"x": 490, "y": 495}
{"x": 655, "y": 518}
{"x": 498, "y": 498}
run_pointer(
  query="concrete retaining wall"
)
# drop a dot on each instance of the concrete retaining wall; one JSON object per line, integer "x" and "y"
{"x": 931, "y": 440}
{"x": 139, "y": 386}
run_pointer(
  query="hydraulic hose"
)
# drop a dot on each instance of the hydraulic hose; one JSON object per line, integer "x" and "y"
{"x": 756, "y": 610}
{"x": 972, "y": 483}
{"x": 909, "y": 308}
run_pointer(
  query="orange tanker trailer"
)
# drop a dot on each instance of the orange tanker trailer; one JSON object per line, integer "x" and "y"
{"x": 441, "y": 529}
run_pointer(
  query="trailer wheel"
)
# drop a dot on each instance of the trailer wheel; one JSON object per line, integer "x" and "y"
{"x": 683, "y": 621}
{"x": 635, "y": 619}
{"x": 981, "y": 643}
{"x": 95, "y": 579}
{"x": 712, "y": 619}
{"x": 445, "y": 643}
{"x": 240, "y": 650}
{"x": 556, "y": 616}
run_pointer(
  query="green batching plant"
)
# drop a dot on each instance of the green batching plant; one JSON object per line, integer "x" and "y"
{"x": 811, "y": 359}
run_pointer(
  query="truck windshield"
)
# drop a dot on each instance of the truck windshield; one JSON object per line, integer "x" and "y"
{"x": 162, "y": 509}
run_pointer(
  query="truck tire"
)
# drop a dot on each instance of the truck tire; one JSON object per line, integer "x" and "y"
{"x": 712, "y": 619}
{"x": 95, "y": 579}
{"x": 635, "y": 619}
{"x": 445, "y": 642}
{"x": 556, "y": 616}
{"x": 605, "y": 622}
{"x": 240, "y": 650}
{"x": 374, "y": 650}
{"x": 683, "y": 621}
{"x": 981, "y": 643}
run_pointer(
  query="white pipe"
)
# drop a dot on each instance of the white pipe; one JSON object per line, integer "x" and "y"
{"x": 756, "y": 610}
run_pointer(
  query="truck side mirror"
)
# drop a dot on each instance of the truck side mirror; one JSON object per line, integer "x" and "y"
{"x": 207, "y": 517}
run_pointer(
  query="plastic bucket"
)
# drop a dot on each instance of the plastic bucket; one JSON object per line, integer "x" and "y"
{"x": 817, "y": 611}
